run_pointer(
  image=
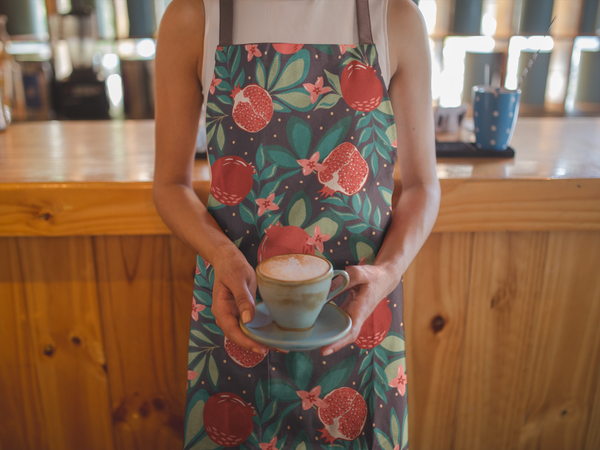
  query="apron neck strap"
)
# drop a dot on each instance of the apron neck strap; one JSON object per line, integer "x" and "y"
{"x": 226, "y": 22}
{"x": 364, "y": 22}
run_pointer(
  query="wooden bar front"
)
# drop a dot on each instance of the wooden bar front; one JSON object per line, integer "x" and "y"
{"x": 502, "y": 304}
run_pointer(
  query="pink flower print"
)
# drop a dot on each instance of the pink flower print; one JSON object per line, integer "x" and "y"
{"x": 196, "y": 308}
{"x": 192, "y": 375}
{"x": 197, "y": 271}
{"x": 343, "y": 47}
{"x": 214, "y": 83}
{"x": 400, "y": 381}
{"x": 253, "y": 50}
{"x": 220, "y": 49}
{"x": 308, "y": 165}
{"x": 316, "y": 89}
{"x": 395, "y": 143}
{"x": 317, "y": 239}
{"x": 397, "y": 447}
{"x": 265, "y": 204}
{"x": 312, "y": 398}
{"x": 270, "y": 446}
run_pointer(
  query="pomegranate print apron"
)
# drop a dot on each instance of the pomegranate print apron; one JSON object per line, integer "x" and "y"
{"x": 301, "y": 150}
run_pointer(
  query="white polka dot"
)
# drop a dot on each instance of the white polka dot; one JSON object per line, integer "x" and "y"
{"x": 495, "y": 114}
{"x": 510, "y": 114}
{"x": 493, "y": 127}
{"x": 508, "y": 131}
{"x": 492, "y": 142}
{"x": 476, "y": 130}
{"x": 478, "y": 145}
{"x": 476, "y": 114}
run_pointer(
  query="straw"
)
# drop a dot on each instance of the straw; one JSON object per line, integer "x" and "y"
{"x": 533, "y": 58}
{"x": 486, "y": 76}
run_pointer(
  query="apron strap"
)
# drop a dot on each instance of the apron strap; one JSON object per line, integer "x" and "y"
{"x": 226, "y": 22}
{"x": 364, "y": 22}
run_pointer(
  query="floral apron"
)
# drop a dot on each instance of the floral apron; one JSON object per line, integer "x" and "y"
{"x": 301, "y": 151}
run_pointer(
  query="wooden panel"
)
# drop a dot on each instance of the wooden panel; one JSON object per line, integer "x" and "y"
{"x": 84, "y": 209}
{"x": 504, "y": 298}
{"x": 142, "y": 323}
{"x": 62, "y": 307}
{"x": 565, "y": 367}
{"x": 593, "y": 436}
{"x": 435, "y": 299}
{"x": 21, "y": 419}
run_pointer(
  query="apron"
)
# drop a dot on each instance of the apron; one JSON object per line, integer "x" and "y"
{"x": 300, "y": 147}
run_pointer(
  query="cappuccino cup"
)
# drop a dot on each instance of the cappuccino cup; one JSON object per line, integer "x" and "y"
{"x": 295, "y": 287}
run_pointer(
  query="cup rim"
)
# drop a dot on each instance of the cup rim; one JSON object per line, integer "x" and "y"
{"x": 294, "y": 283}
{"x": 481, "y": 88}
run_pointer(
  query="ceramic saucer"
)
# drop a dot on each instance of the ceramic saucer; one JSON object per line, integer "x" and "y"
{"x": 332, "y": 324}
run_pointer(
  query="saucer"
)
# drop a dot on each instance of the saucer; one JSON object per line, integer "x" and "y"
{"x": 332, "y": 324}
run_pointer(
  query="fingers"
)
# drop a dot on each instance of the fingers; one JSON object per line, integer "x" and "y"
{"x": 357, "y": 275}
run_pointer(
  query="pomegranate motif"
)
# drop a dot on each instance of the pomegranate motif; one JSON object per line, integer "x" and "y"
{"x": 287, "y": 49}
{"x": 231, "y": 180}
{"x": 345, "y": 415}
{"x": 345, "y": 171}
{"x": 279, "y": 240}
{"x": 241, "y": 356}
{"x": 376, "y": 327}
{"x": 228, "y": 419}
{"x": 361, "y": 88}
{"x": 252, "y": 108}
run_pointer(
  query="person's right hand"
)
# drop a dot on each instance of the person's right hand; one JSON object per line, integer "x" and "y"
{"x": 234, "y": 291}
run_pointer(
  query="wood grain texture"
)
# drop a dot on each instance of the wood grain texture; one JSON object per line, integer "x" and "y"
{"x": 69, "y": 361}
{"x": 435, "y": 303}
{"x": 21, "y": 417}
{"x": 504, "y": 296}
{"x": 560, "y": 388}
{"x": 593, "y": 436}
{"x": 142, "y": 323}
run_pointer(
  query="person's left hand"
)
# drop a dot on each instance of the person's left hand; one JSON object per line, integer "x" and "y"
{"x": 368, "y": 286}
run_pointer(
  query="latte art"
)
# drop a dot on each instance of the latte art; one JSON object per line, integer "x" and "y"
{"x": 295, "y": 267}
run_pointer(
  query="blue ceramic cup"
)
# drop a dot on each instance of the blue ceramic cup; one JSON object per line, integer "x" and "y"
{"x": 495, "y": 112}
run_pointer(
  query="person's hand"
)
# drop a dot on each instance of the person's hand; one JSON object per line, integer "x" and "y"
{"x": 368, "y": 285}
{"x": 234, "y": 291}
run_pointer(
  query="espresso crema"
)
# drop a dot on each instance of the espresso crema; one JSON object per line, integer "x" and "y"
{"x": 294, "y": 267}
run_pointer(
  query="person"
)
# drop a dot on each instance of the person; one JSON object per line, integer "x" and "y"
{"x": 309, "y": 103}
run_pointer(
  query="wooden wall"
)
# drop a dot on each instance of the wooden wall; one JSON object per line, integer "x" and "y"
{"x": 502, "y": 330}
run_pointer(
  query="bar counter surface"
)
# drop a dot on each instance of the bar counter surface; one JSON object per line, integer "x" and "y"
{"x": 502, "y": 304}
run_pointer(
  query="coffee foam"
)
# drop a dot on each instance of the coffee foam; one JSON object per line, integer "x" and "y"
{"x": 294, "y": 267}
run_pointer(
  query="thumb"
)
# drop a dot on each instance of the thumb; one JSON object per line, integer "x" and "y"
{"x": 244, "y": 300}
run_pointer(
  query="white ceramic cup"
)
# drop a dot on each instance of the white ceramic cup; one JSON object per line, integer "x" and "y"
{"x": 295, "y": 287}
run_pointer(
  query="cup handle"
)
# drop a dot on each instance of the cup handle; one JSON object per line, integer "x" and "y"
{"x": 336, "y": 291}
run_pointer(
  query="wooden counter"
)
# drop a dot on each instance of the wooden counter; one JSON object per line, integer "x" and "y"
{"x": 502, "y": 305}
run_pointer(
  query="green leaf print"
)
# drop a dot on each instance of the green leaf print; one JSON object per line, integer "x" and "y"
{"x": 382, "y": 137}
{"x": 281, "y": 390}
{"x": 202, "y": 337}
{"x": 381, "y": 377}
{"x": 269, "y": 221}
{"x": 240, "y": 79}
{"x": 300, "y": 367}
{"x": 260, "y": 73}
{"x": 246, "y": 214}
{"x": 386, "y": 107}
{"x": 269, "y": 412}
{"x": 206, "y": 444}
{"x": 299, "y": 209}
{"x": 335, "y": 200}
{"x": 372, "y": 55}
{"x": 386, "y": 194}
{"x": 299, "y": 134}
{"x": 221, "y": 72}
{"x": 362, "y": 247}
{"x": 394, "y": 428}
{"x": 380, "y": 392}
{"x": 236, "y": 62}
{"x": 213, "y": 372}
{"x": 377, "y": 218}
{"x": 213, "y": 203}
{"x": 260, "y": 158}
{"x": 203, "y": 297}
{"x": 383, "y": 151}
{"x": 334, "y": 80}
{"x": 221, "y": 56}
{"x": 346, "y": 216}
{"x": 294, "y": 71}
{"x": 220, "y": 138}
{"x": 269, "y": 188}
{"x": 391, "y": 371}
{"x": 404, "y": 442}
{"x": 357, "y": 203}
{"x": 199, "y": 369}
{"x": 336, "y": 376}
{"x": 214, "y": 329}
{"x": 383, "y": 440}
{"x": 259, "y": 395}
{"x": 380, "y": 118}
{"x": 271, "y": 431}
{"x": 237, "y": 243}
{"x": 224, "y": 86}
{"x": 194, "y": 421}
{"x": 365, "y": 135}
{"x": 296, "y": 98}
{"x": 278, "y": 107}
{"x": 393, "y": 344}
{"x": 357, "y": 227}
{"x": 374, "y": 165}
{"x": 269, "y": 172}
{"x": 225, "y": 99}
{"x": 366, "y": 211}
{"x": 366, "y": 362}
{"x": 273, "y": 71}
{"x": 279, "y": 155}
{"x": 366, "y": 376}
{"x": 334, "y": 137}
{"x": 367, "y": 150}
{"x": 381, "y": 355}
{"x": 328, "y": 101}
{"x": 328, "y": 223}
{"x": 213, "y": 107}
{"x": 391, "y": 133}
{"x": 301, "y": 442}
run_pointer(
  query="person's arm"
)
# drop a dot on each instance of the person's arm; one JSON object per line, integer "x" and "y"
{"x": 417, "y": 208}
{"x": 178, "y": 104}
